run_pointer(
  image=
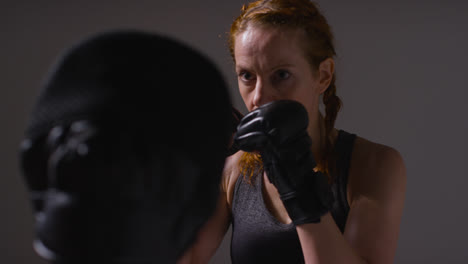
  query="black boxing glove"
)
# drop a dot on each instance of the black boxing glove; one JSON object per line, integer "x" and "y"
{"x": 100, "y": 194}
{"x": 236, "y": 118}
{"x": 62, "y": 227}
{"x": 278, "y": 130}
{"x": 33, "y": 162}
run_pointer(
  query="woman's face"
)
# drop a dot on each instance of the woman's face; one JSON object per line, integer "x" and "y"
{"x": 271, "y": 65}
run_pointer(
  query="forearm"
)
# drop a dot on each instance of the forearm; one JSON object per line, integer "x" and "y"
{"x": 324, "y": 243}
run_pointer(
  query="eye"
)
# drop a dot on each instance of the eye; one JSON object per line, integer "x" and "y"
{"x": 246, "y": 76}
{"x": 282, "y": 75}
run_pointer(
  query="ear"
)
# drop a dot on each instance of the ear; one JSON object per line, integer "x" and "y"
{"x": 325, "y": 74}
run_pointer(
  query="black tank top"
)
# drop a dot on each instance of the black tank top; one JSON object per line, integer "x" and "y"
{"x": 258, "y": 237}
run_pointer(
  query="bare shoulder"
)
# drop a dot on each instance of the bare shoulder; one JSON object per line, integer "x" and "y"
{"x": 230, "y": 174}
{"x": 376, "y": 172}
{"x": 376, "y": 194}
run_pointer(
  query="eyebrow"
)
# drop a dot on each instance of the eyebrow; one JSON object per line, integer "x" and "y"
{"x": 279, "y": 66}
{"x": 284, "y": 65}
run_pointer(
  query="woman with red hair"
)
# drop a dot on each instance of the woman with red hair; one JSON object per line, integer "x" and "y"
{"x": 324, "y": 196}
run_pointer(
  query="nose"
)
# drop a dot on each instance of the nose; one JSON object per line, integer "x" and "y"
{"x": 263, "y": 94}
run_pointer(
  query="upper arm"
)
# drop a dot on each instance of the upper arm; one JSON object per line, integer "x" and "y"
{"x": 212, "y": 233}
{"x": 376, "y": 193}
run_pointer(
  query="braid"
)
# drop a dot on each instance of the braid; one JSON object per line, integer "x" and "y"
{"x": 332, "y": 106}
{"x": 251, "y": 164}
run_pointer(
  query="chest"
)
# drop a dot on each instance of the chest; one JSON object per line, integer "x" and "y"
{"x": 260, "y": 229}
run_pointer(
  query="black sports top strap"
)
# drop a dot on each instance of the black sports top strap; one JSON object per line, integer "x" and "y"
{"x": 343, "y": 151}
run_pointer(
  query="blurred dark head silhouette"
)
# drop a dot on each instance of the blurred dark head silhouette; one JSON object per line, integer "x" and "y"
{"x": 124, "y": 150}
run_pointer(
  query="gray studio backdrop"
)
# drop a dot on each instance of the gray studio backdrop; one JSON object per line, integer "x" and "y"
{"x": 402, "y": 74}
